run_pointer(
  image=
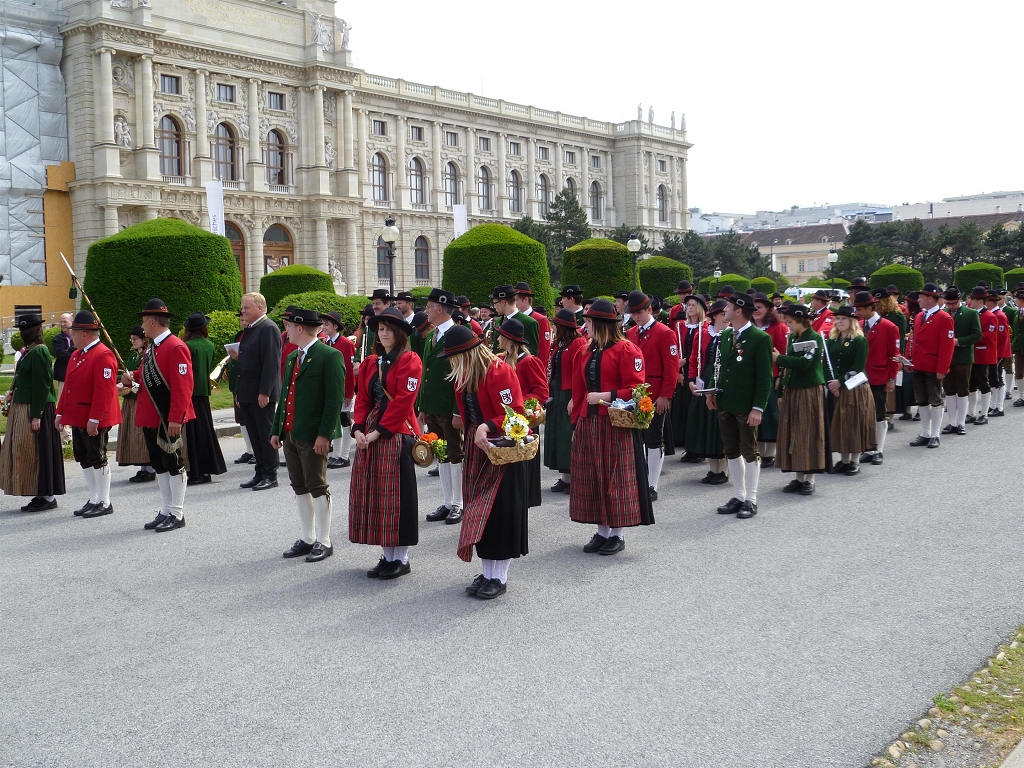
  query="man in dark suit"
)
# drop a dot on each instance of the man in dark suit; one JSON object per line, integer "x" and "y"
{"x": 63, "y": 346}
{"x": 258, "y": 386}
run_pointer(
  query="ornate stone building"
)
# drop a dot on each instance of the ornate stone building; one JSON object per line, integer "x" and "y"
{"x": 165, "y": 95}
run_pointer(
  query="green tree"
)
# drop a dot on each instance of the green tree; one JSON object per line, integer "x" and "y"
{"x": 621, "y": 235}
{"x": 860, "y": 261}
{"x": 567, "y": 225}
{"x": 860, "y": 233}
{"x": 730, "y": 255}
{"x": 1001, "y": 246}
{"x": 691, "y": 249}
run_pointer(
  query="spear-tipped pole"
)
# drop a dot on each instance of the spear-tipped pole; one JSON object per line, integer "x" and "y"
{"x": 78, "y": 284}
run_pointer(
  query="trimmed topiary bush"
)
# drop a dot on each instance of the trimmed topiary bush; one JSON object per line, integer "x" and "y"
{"x": 764, "y": 285}
{"x": 738, "y": 282}
{"x": 223, "y": 328}
{"x": 659, "y": 275}
{"x": 189, "y": 268}
{"x": 420, "y": 293}
{"x": 296, "y": 278}
{"x": 904, "y": 278}
{"x": 323, "y": 301}
{"x": 600, "y": 267}
{"x": 48, "y": 335}
{"x": 968, "y": 275}
{"x": 489, "y": 255}
{"x": 1013, "y": 276}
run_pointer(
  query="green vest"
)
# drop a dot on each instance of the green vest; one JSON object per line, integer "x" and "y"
{"x": 437, "y": 394}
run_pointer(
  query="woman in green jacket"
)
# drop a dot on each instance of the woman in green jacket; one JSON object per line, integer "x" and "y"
{"x": 802, "y": 439}
{"x": 202, "y": 449}
{"x": 31, "y": 457}
{"x": 853, "y": 421}
{"x": 131, "y": 444}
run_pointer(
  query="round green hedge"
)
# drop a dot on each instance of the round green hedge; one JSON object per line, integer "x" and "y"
{"x": 489, "y": 255}
{"x": 348, "y": 307}
{"x": 600, "y": 267}
{"x": 1013, "y": 276}
{"x": 191, "y": 269}
{"x": 764, "y": 285}
{"x": 904, "y": 278}
{"x": 659, "y": 275}
{"x": 223, "y": 328}
{"x": 296, "y": 278}
{"x": 968, "y": 275}
{"x": 48, "y": 335}
{"x": 738, "y": 282}
{"x": 420, "y": 293}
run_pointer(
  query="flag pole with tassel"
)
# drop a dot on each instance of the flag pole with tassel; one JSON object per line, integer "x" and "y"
{"x": 78, "y": 284}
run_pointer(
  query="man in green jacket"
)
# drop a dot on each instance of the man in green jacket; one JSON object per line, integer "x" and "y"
{"x": 504, "y": 297}
{"x": 967, "y": 333}
{"x": 308, "y": 412}
{"x": 743, "y": 381}
{"x": 1017, "y": 344}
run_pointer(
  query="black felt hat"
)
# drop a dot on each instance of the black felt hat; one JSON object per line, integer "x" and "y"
{"x": 718, "y": 307}
{"x": 513, "y": 329}
{"x": 931, "y": 289}
{"x": 893, "y": 290}
{"x": 865, "y": 299}
{"x": 442, "y": 297}
{"x": 334, "y": 317}
{"x": 30, "y": 320}
{"x": 367, "y": 311}
{"x": 637, "y": 300}
{"x": 85, "y": 321}
{"x": 699, "y": 299}
{"x": 571, "y": 291}
{"x": 952, "y": 293}
{"x": 404, "y": 296}
{"x": 822, "y": 295}
{"x": 846, "y": 311}
{"x": 307, "y": 318}
{"x": 392, "y": 317}
{"x": 725, "y": 290}
{"x": 137, "y": 331}
{"x": 800, "y": 311}
{"x": 777, "y": 295}
{"x": 762, "y": 298}
{"x": 459, "y": 339}
{"x": 601, "y": 309}
{"x": 503, "y": 293}
{"x": 193, "y": 322}
{"x": 463, "y": 301}
{"x": 979, "y": 292}
{"x": 523, "y": 289}
{"x": 741, "y": 300}
{"x": 684, "y": 287}
{"x": 156, "y": 307}
{"x": 381, "y": 293}
{"x": 420, "y": 322}
{"x": 565, "y": 317}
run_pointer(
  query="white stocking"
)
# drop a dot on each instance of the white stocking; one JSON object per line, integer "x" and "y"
{"x": 603, "y": 530}
{"x": 444, "y": 472}
{"x": 951, "y": 409}
{"x": 456, "y": 470}
{"x": 881, "y": 430}
{"x": 163, "y": 481}
{"x": 177, "y": 484}
{"x": 400, "y": 553}
{"x": 248, "y": 442}
{"x": 984, "y": 403}
{"x": 322, "y": 519}
{"x": 90, "y": 481}
{"x": 961, "y": 411}
{"x": 1018, "y": 384}
{"x": 566, "y": 477}
{"x": 769, "y": 450}
{"x": 103, "y": 484}
{"x": 752, "y": 473}
{"x": 736, "y": 474}
{"x": 488, "y": 568}
{"x": 972, "y": 403}
{"x": 306, "y": 517}
{"x": 655, "y": 460}
{"x": 926, "y": 420}
{"x": 616, "y": 532}
{"x": 389, "y": 554}
{"x": 936, "y": 419}
{"x": 336, "y": 447}
{"x": 499, "y": 570}
{"x": 346, "y": 445}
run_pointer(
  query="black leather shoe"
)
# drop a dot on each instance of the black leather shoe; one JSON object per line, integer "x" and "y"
{"x": 1007, "y": 396}
{"x": 721, "y": 479}
{"x": 99, "y": 510}
{"x": 32, "y": 504}
{"x": 172, "y": 523}
{"x": 968, "y": 419}
{"x": 201, "y": 480}
{"x": 918, "y": 441}
{"x": 244, "y": 458}
{"x": 794, "y": 486}
{"x": 152, "y": 524}
{"x": 949, "y": 429}
{"x": 560, "y": 486}
{"x": 906, "y": 417}
{"x": 891, "y": 427}
{"x": 142, "y": 476}
{"x": 613, "y": 546}
{"x": 731, "y": 507}
{"x": 1019, "y": 402}
{"x": 840, "y": 467}
{"x": 265, "y": 484}
{"x": 933, "y": 442}
{"x": 917, "y": 417}
{"x": 88, "y": 505}
{"x": 374, "y": 572}
{"x": 454, "y": 517}
{"x": 981, "y": 421}
{"x": 961, "y": 430}
{"x": 299, "y": 548}
{"x": 492, "y": 589}
{"x": 996, "y": 413}
{"x": 319, "y": 552}
{"x": 338, "y": 463}
{"x": 652, "y": 494}
{"x": 866, "y": 457}
{"x": 438, "y": 514}
{"x": 852, "y": 469}
{"x": 748, "y": 510}
{"x": 691, "y": 458}
{"x": 595, "y": 544}
{"x": 251, "y": 483}
{"x": 709, "y": 478}
{"x": 806, "y": 488}
{"x": 39, "y": 504}
{"x": 876, "y": 460}
{"x": 395, "y": 569}
{"x": 478, "y": 582}
{"x": 433, "y": 472}
{"x": 767, "y": 462}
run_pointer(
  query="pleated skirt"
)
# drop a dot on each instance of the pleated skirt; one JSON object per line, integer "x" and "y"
{"x": 558, "y": 432}
{"x": 703, "y": 436}
{"x": 802, "y": 431}
{"x": 383, "y": 501}
{"x": 609, "y": 475}
{"x": 533, "y": 480}
{"x": 768, "y": 431}
{"x": 680, "y": 413}
{"x": 131, "y": 443}
{"x": 853, "y": 421}
{"x": 31, "y": 463}
{"x": 203, "y": 454}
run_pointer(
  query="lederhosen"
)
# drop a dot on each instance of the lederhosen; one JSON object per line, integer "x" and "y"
{"x": 165, "y": 454}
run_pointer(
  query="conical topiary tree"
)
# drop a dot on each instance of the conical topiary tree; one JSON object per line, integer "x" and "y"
{"x": 660, "y": 275}
{"x": 764, "y": 285}
{"x": 295, "y": 278}
{"x": 968, "y": 275}
{"x": 904, "y": 278}
{"x": 489, "y": 255}
{"x": 191, "y": 269}
{"x": 600, "y": 267}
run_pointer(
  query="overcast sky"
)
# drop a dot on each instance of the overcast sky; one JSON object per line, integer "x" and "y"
{"x": 787, "y": 103}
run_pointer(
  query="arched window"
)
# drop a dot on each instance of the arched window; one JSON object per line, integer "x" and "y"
{"x": 422, "y": 257}
{"x": 225, "y": 166}
{"x": 451, "y": 184}
{"x": 275, "y": 159}
{"x": 571, "y": 186}
{"x": 168, "y": 139}
{"x": 234, "y": 235}
{"x": 415, "y": 181}
{"x": 662, "y": 203}
{"x": 515, "y": 193}
{"x": 543, "y": 194}
{"x": 595, "y": 201}
{"x": 383, "y": 263}
{"x": 483, "y": 188}
{"x": 379, "y": 177}
{"x": 277, "y": 248}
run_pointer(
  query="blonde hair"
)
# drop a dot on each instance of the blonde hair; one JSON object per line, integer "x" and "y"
{"x": 701, "y": 314}
{"x": 513, "y": 349}
{"x": 853, "y": 333}
{"x": 258, "y": 299}
{"x": 470, "y": 367}
{"x": 887, "y": 305}
{"x": 606, "y": 332}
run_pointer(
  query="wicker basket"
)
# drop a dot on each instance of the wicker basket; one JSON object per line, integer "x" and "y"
{"x": 622, "y": 419}
{"x": 513, "y": 454}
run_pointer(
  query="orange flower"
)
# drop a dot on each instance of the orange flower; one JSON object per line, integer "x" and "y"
{"x": 646, "y": 405}
{"x": 429, "y": 437}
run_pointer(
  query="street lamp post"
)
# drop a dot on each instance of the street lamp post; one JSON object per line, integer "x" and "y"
{"x": 390, "y": 236}
{"x": 634, "y": 246}
{"x": 718, "y": 275}
{"x": 833, "y": 257}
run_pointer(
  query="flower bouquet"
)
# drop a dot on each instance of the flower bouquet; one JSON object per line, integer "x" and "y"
{"x": 533, "y": 412}
{"x": 635, "y": 413}
{"x": 427, "y": 448}
{"x": 518, "y": 443}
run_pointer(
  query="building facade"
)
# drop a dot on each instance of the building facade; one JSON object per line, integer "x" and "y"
{"x": 799, "y": 253}
{"x": 166, "y": 95}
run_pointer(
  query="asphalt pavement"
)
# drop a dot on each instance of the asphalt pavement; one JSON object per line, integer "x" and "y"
{"x": 809, "y": 635}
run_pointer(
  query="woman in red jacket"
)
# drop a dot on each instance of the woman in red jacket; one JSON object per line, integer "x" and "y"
{"x": 565, "y": 349}
{"x": 383, "y": 505}
{"x": 609, "y": 467}
{"x": 533, "y": 382}
{"x": 496, "y": 500}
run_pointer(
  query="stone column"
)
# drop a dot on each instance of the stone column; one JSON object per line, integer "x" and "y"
{"x": 255, "y": 169}
{"x": 318, "y": 126}
{"x": 349, "y": 179}
{"x": 106, "y": 155}
{"x": 610, "y": 200}
{"x": 147, "y": 158}
{"x": 652, "y": 193}
{"x": 470, "y": 198}
{"x": 402, "y": 165}
{"x": 149, "y": 213}
{"x": 558, "y": 183}
{"x": 320, "y": 259}
{"x": 531, "y": 181}
{"x": 585, "y": 182}
{"x": 305, "y": 139}
{"x": 351, "y": 257}
{"x": 684, "y": 209}
{"x": 145, "y": 86}
{"x": 502, "y": 180}
{"x": 110, "y": 224}
{"x": 364, "y": 181}
{"x": 203, "y": 168}
{"x": 254, "y": 262}
{"x": 437, "y": 198}
{"x": 673, "y": 216}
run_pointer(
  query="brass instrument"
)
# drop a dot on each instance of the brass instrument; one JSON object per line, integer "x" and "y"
{"x": 218, "y": 370}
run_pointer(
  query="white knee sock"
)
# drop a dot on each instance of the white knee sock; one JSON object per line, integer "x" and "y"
{"x": 846, "y": 458}
{"x": 488, "y": 568}
{"x": 800, "y": 476}
{"x": 881, "y": 430}
{"x": 951, "y": 409}
{"x": 90, "y": 482}
{"x": 336, "y": 447}
{"x": 809, "y": 478}
{"x": 103, "y": 484}
{"x": 566, "y": 477}
{"x": 177, "y": 484}
{"x": 926, "y": 420}
{"x": 738, "y": 478}
{"x": 603, "y": 530}
{"x": 389, "y": 554}
{"x": 400, "y": 553}
{"x": 768, "y": 451}
{"x": 163, "y": 482}
{"x": 346, "y": 445}
{"x": 713, "y": 466}
{"x": 322, "y": 519}
{"x": 456, "y": 470}
{"x": 306, "y": 517}
{"x": 972, "y": 403}
{"x": 499, "y": 570}
{"x": 752, "y": 473}
{"x": 936, "y": 419}
{"x": 444, "y": 472}
{"x": 1018, "y": 384}
{"x": 1000, "y": 397}
{"x": 983, "y": 403}
{"x": 248, "y": 442}
{"x": 655, "y": 460}
{"x": 961, "y": 411}
{"x": 616, "y": 532}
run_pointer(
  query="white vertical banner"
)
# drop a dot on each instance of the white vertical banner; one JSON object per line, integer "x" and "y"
{"x": 461, "y": 219}
{"x": 215, "y": 205}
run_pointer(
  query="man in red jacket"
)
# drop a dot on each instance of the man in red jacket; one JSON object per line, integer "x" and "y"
{"x": 881, "y": 367}
{"x": 88, "y": 404}
{"x": 661, "y": 357}
{"x": 986, "y": 359}
{"x": 335, "y": 338}
{"x": 164, "y": 405}
{"x": 1004, "y": 353}
{"x": 932, "y": 352}
{"x": 524, "y": 303}
{"x": 823, "y": 317}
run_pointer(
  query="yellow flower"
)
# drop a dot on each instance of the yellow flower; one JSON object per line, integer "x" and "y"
{"x": 517, "y": 432}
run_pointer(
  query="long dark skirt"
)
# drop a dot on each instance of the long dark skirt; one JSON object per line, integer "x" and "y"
{"x": 609, "y": 475}
{"x": 703, "y": 436}
{"x": 533, "y": 480}
{"x": 204, "y": 454}
{"x": 507, "y": 534}
{"x": 558, "y": 432}
{"x": 31, "y": 463}
{"x": 680, "y": 413}
{"x": 768, "y": 431}
{"x": 383, "y": 502}
{"x": 905, "y": 394}
{"x": 803, "y": 444}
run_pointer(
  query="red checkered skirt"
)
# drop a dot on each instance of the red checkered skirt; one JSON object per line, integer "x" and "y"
{"x": 480, "y": 481}
{"x": 382, "y": 497}
{"x": 609, "y": 471}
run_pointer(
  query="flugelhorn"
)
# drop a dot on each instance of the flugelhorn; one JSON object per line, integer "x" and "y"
{"x": 216, "y": 372}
